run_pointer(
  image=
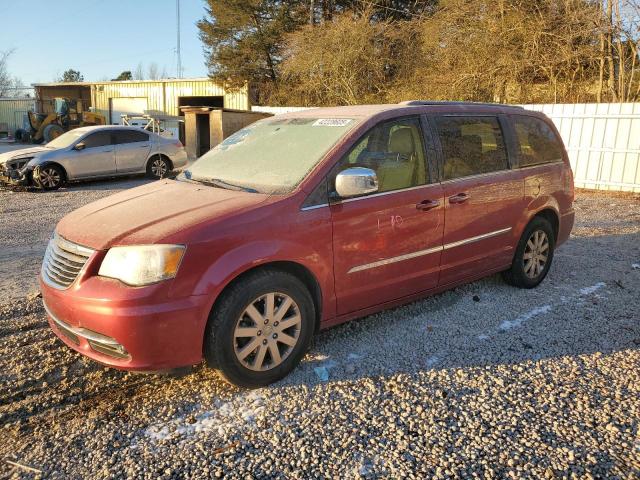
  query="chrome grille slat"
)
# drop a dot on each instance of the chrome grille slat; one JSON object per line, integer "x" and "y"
{"x": 66, "y": 258}
{"x": 68, "y": 255}
{"x": 63, "y": 262}
{"x": 66, "y": 275}
{"x": 73, "y": 270}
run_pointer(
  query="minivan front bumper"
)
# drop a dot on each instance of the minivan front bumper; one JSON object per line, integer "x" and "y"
{"x": 138, "y": 334}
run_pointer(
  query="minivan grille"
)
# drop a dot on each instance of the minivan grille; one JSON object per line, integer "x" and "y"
{"x": 63, "y": 261}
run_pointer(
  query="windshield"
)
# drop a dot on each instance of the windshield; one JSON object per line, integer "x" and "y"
{"x": 66, "y": 139}
{"x": 269, "y": 156}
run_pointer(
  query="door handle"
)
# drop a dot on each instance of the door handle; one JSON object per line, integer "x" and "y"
{"x": 459, "y": 198}
{"x": 427, "y": 205}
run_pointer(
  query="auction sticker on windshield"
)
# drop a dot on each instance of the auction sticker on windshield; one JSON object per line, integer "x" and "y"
{"x": 332, "y": 122}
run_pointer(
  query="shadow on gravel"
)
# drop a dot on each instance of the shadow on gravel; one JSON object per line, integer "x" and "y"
{"x": 587, "y": 304}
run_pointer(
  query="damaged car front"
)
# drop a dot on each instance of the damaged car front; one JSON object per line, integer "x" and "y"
{"x": 16, "y": 167}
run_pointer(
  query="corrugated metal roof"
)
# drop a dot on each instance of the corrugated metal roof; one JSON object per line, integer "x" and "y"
{"x": 88, "y": 84}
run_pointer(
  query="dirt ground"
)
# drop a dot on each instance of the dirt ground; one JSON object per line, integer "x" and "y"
{"x": 484, "y": 381}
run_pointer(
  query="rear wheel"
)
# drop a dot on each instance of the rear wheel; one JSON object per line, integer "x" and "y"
{"x": 260, "y": 329}
{"x": 158, "y": 167}
{"x": 49, "y": 177}
{"x": 533, "y": 256}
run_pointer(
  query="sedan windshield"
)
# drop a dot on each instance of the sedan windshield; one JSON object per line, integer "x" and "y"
{"x": 269, "y": 156}
{"x": 66, "y": 139}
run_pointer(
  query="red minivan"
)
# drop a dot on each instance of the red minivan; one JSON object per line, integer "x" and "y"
{"x": 303, "y": 221}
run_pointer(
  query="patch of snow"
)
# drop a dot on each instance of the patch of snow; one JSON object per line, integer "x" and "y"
{"x": 235, "y": 415}
{"x": 432, "y": 360}
{"x": 592, "y": 288}
{"x": 509, "y": 324}
{"x": 635, "y": 266}
{"x": 322, "y": 373}
{"x": 483, "y": 337}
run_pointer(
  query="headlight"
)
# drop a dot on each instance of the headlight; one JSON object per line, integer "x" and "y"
{"x": 142, "y": 264}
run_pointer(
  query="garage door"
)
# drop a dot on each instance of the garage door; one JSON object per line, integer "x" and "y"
{"x": 126, "y": 105}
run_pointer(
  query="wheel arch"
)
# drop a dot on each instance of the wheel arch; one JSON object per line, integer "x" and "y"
{"x": 552, "y": 217}
{"x": 296, "y": 269}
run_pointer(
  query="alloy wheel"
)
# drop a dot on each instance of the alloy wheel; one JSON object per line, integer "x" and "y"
{"x": 159, "y": 167}
{"x": 536, "y": 254}
{"x": 49, "y": 177}
{"x": 267, "y": 331}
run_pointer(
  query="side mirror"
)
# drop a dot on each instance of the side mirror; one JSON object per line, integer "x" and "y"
{"x": 79, "y": 146}
{"x": 356, "y": 181}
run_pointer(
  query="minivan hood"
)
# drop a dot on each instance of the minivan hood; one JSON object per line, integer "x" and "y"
{"x": 151, "y": 213}
{"x": 22, "y": 153}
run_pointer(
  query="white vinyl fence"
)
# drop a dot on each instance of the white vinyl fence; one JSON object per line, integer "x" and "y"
{"x": 603, "y": 141}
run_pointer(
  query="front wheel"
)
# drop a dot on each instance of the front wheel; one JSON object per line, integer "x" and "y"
{"x": 533, "y": 256}
{"x": 49, "y": 177}
{"x": 260, "y": 329}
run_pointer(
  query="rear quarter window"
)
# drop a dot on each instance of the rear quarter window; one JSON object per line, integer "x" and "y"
{"x": 537, "y": 142}
{"x": 131, "y": 136}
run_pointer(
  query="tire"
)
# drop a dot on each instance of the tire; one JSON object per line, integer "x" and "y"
{"x": 536, "y": 247}
{"x": 52, "y": 131}
{"x": 158, "y": 167}
{"x": 49, "y": 177}
{"x": 224, "y": 348}
{"x": 19, "y": 134}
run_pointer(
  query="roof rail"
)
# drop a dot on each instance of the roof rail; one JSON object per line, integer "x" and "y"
{"x": 447, "y": 102}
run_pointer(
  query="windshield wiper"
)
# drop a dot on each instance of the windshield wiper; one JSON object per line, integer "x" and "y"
{"x": 216, "y": 182}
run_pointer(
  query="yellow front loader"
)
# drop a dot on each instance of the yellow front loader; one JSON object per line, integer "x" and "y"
{"x": 67, "y": 115}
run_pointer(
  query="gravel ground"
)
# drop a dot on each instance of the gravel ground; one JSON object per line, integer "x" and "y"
{"x": 484, "y": 381}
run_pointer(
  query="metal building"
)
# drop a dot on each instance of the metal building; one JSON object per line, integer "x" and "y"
{"x": 137, "y": 97}
{"x": 12, "y": 113}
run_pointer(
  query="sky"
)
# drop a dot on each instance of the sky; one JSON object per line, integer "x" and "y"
{"x": 100, "y": 38}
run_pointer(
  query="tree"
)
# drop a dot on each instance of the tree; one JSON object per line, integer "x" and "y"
{"x": 139, "y": 73}
{"x": 347, "y": 61}
{"x": 152, "y": 71}
{"x": 10, "y": 86}
{"x": 126, "y": 75}
{"x": 243, "y": 38}
{"x": 71, "y": 75}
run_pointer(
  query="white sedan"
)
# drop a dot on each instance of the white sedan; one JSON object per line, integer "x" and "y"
{"x": 90, "y": 153}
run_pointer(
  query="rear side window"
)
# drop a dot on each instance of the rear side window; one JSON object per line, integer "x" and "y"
{"x": 131, "y": 136}
{"x": 471, "y": 146}
{"x": 98, "y": 139}
{"x": 395, "y": 151}
{"x": 538, "y": 143}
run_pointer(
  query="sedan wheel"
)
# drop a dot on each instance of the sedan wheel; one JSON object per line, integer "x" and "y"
{"x": 158, "y": 167}
{"x": 50, "y": 177}
{"x": 267, "y": 331}
{"x": 536, "y": 254}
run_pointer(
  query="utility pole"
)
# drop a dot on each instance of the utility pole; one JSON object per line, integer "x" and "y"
{"x": 179, "y": 68}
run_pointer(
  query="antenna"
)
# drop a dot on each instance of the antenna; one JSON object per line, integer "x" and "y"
{"x": 179, "y": 69}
